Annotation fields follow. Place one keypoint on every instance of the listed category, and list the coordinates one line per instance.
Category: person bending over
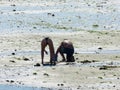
(66, 47)
(47, 41)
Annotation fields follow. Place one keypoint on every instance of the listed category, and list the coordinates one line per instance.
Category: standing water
(10, 87)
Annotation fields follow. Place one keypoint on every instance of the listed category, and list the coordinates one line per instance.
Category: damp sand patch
(36, 52)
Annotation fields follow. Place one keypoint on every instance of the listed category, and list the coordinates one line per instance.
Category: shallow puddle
(11, 87)
(99, 51)
(8, 53)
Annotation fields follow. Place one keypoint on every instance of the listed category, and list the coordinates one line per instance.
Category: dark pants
(69, 52)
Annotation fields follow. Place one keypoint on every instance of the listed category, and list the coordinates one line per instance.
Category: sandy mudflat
(20, 52)
(92, 25)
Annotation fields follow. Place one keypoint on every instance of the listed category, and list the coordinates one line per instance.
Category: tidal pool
(11, 87)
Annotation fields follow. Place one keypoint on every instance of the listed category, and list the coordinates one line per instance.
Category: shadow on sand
(48, 64)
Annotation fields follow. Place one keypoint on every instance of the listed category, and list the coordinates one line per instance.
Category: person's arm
(58, 50)
(46, 52)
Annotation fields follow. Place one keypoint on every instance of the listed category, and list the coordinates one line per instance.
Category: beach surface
(93, 27)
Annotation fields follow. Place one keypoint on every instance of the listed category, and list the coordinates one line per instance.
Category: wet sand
(93, 27)
(94, 71)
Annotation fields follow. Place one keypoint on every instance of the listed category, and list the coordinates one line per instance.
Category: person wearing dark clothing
(66, 47)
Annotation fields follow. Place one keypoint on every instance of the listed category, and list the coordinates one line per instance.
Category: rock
(45, 74)
(34, 73)
(62, 84)
(14, 10)
(58, 84)
(13, 53)
(13, 5)
(12, 61)
(26, 59)
(7, 80)
(12, 81)
(53, 15)
(100, 48)
(37, 65)
(107, 67)
(86, 61)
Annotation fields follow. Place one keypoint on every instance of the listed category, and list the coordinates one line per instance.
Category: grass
(100, 77)
(105, 67)
(95, 26)
(99, 32)
(35, 73)
(54, 26)
(49, 25)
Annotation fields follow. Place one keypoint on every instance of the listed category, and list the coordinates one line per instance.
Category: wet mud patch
(102, 65)
(108, 67)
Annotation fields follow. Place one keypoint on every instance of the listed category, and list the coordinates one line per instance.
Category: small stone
(58, 84)
(85, 61)
(14, 10)
(100, 48)
(13, 5)
(12, 61)
(7, 80)
(34, 73)
(26, 59)
(62, 84)
(46, 74)
(12, 81)
(13, 53)
(53, 15)
(37, 64)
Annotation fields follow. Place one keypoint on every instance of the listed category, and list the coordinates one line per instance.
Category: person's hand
(46, 52)
(55, 57)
